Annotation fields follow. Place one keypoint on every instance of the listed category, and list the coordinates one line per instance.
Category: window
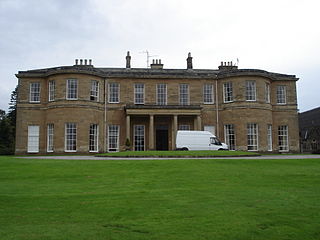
(72, 89)
(283, 138)
(269, 137)
(35, 92)
(184, 127)
(211, 129)
(50, 128)
(94, 91)
(230, 137)
(114, 90)
(250, 90)
(52, 89)
(70, 137)
(184, 94)
(161, 94)
(113, 138)
(33, 139)
(227, 92)
(267, 93)
(139, 137)
(93, 137)
(208, 94)
(139, 93)
(252, 135)
(281, 95)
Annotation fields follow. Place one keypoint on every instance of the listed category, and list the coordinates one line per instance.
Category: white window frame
(50, 137)
(185, 127)
(227, 92)
(230, 136)
(184, 94)
(281, 94)
(252, 137)
(267, 92)
(208, 94)
(283, 138)
(269, 137)
(51, 90)
(113, 134)
(139, 137)
(94, 91)
(139, 93)
(94, 137)
(35, 89)
(72, 89)
(161, 93)
(114, 92)
(33, 138)
(251, 91)
(70, 137)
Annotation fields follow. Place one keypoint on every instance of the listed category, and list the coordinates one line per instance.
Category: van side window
(212, 141)
(215, 141)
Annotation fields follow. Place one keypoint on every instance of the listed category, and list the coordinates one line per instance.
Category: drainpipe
(105, 116)
(217, 109)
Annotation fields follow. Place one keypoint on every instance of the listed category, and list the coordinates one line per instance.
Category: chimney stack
(189, 61)
(128, 60)
(156, 64)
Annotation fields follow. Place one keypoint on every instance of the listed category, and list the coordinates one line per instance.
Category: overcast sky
(276, 35)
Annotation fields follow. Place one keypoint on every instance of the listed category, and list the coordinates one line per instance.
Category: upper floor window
(208, 93)
(161, 94)
(267, 92)
(281, 95)
(35, 92)
(51, 90)
(250, 90)
(94, 91)
(184, 94)
(227, 92)
(114, 93)
(72, 89)
(139, 93)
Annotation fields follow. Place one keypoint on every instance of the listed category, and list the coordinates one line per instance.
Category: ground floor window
(93, 137)
(139, 137)
(209, 128)
(184, 127)
(252, 136)
(230, 137)
(50, 129)
(71, 137)
(33, 139)
(283, 138)
(113, 138)
(269, 137)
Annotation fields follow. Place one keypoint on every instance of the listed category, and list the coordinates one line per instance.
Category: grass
(169, 199)
(177, 154)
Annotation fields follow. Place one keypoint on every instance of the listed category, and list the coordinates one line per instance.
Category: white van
(198, 140)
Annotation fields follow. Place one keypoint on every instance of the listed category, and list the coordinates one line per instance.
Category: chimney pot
(76, 61)
(85, 62)
(81, 61)
(90, 61)
(128, 60)
(189, 61)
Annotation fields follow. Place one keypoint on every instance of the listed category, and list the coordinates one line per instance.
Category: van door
(215, 144)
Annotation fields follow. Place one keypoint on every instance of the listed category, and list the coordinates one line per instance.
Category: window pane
(267, 92)
(208, 93)
(184, 94)
(72, 89)
(283, 138)
(250, 90)
(281, 95)
(184, 127)
(50, 129)
(252, 135)
(94, 91)
(269, 137)
(162, 94)
(139, 137)
(227, 92)
(70, 137)
(139, 93)
(34, 92)
(52, 88)
(113, 138)
(114, 89)
(93, 138)
(230, 137)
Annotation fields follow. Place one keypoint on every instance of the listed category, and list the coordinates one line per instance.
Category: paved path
(284, 156)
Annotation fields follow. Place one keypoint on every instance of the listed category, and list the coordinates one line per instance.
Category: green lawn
(178, 154)
(168, 199)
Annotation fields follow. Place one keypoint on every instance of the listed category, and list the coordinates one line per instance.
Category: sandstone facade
(248, 109)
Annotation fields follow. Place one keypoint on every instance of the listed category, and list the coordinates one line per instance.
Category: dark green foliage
(8, 126)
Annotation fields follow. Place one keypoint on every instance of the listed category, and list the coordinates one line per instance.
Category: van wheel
(220, 149)
(184, 149)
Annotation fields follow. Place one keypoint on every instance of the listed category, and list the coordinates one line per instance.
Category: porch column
(174, 132)
(199, 122)
(151, 133)
(128, 127)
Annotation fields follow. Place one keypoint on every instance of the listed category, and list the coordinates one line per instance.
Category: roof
(153, 73)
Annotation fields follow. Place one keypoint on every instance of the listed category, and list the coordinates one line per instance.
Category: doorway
(162, 142)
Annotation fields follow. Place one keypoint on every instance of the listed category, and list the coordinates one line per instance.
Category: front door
(162, 137)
